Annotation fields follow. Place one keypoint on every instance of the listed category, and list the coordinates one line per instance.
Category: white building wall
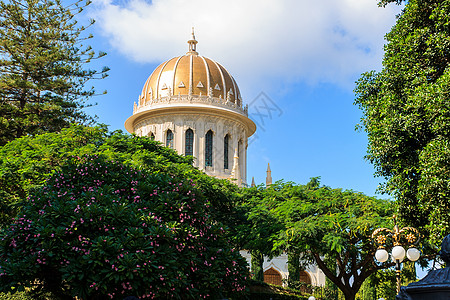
(280, 264)
(200, 124)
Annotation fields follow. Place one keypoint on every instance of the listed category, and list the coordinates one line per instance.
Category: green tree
(406, 115)
(257, 261)
(331, 290)
(43, 55)
(100, 229)
(258, 229)
(27, 162)
(293, 267)
(368, 289)
(385, 281)
(333, 228)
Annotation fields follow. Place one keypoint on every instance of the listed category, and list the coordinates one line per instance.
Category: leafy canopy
(406, 115)
(27, 162)
(100, 229)
(329, 227)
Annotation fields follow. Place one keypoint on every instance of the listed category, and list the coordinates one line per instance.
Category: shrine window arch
(189, 142)
(272, 276)
(169, 138)
(209, 147)
(226, 151)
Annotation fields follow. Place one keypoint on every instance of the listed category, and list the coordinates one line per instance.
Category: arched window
(240, 154)
(169, 138)
(189, 143)
(209, 149)
(239, 148)
(152, 136)
(225, 151)
(272, 276)
(304, 277)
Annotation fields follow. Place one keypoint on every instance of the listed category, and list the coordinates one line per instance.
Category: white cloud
(313, 41)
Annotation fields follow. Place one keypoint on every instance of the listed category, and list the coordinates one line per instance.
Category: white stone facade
(200, 124)
(279, 263)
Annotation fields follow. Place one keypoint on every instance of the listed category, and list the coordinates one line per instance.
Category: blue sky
(299, 59)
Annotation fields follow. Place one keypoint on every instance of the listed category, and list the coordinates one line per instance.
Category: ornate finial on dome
(192, 44)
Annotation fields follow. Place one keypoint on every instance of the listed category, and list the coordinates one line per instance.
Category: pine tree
(42, 60)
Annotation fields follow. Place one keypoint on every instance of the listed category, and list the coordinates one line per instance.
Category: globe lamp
(398, 252)
(413, 254)
(381, 255)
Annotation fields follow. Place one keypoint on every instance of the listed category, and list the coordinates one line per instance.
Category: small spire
(253, 182)
(235, 172)
(269, 176)
(192, 44)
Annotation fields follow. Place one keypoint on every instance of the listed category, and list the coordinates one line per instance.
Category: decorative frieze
(213, 101)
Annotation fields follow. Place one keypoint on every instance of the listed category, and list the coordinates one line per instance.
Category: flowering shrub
(103, 230)
(27, 162)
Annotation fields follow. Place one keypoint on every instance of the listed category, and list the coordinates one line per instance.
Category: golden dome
(190, 84)
(190, 74)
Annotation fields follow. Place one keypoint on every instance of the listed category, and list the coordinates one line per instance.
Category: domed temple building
(192, 104)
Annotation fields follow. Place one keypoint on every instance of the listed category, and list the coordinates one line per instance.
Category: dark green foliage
(319, 222)
(27, 162)
(368, 289)
(261, 290)
(385, 2)
(259, 228)
(319, 292)
(330, 290)
(293, 267)
(337, 224)
(43, 54)
(257, 261)
(386, 284)
(406, 114)
(101, 229)
(383, 283)
(16, 296)
(269, 296)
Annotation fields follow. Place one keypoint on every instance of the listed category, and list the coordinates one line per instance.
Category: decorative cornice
(213, 101)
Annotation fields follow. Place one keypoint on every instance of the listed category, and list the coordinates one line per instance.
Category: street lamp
(397, 235)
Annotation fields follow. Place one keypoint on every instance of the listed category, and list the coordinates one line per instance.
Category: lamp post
(397, 237)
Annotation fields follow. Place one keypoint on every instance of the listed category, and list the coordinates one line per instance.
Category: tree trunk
(349, 295)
